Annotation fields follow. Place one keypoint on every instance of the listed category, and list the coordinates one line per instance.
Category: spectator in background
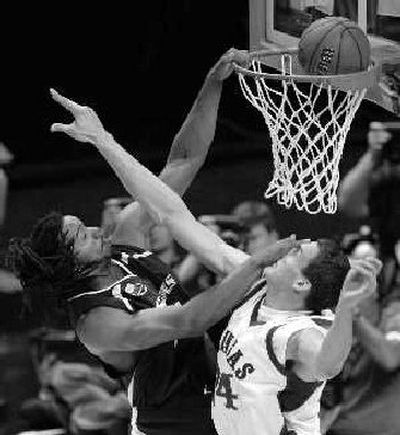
(251, 209)
(369, 385)
(261, 232)
(372, 190)
(259, 221)
(76, 397)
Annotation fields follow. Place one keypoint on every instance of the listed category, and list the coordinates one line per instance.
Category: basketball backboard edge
(265, 33)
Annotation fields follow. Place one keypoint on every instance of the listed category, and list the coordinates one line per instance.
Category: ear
(302, 285)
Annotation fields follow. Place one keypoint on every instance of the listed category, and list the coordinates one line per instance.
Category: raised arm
(189, 148)
(163, 205)
(320, 356)
(354, 190)
(109, 329)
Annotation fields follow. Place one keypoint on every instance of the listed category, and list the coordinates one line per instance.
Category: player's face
(259, 237)
(159, 238)
(289, 269)
(89, 243)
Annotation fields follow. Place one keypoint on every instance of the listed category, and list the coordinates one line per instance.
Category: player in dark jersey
(127, 307)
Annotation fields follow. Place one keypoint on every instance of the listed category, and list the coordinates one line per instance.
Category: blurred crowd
(76, 396)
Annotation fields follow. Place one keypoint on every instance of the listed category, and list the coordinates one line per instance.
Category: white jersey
(256, 392)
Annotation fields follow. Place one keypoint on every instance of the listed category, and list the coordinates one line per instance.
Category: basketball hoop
(308, 118)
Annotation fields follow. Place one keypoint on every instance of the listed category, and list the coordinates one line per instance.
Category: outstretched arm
(109, 329)
(163, 205)
(189, 148)
(318, 356)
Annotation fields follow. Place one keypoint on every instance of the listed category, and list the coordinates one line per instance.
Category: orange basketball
(334, 45)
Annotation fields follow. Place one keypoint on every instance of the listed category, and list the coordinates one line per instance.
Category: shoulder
(305, 341)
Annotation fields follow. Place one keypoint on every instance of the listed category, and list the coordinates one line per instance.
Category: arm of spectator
(354, 189)
(383, 345)
(163, 205)
(189, 148)
(319, 356)
(109, 329)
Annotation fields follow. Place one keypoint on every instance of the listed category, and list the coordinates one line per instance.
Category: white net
(308, 125)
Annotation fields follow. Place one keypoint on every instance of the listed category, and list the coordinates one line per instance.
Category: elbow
(193, 324)
(324, 373)
(332, 372)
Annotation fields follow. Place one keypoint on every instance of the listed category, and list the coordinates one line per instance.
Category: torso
(171, 374)
(256, 390)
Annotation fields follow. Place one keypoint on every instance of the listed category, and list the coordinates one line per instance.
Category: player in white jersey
(275, 354)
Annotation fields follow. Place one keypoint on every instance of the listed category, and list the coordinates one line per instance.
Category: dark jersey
(170, 377)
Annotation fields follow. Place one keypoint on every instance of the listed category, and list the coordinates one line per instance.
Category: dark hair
(250, 209)
(46, 265)
(326, 273)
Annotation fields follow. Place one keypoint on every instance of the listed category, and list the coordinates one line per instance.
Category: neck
(280, 299)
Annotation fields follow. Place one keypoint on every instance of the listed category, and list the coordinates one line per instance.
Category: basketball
(334, 45)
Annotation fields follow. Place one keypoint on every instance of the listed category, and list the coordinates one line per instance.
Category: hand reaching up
(224, 67)
(360, 282)
(86, 127)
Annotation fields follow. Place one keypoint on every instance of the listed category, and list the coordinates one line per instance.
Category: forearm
(165, 206)
(375, 343)
(187, 155)
(139, 182)
(190, 146)
(354, 189)
(205, 309)
(336, 345)
(198, 130)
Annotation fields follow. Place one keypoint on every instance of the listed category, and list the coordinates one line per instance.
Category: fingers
(303, 241)
(363, 278)
(241, 57)
(61, 128)
(70, 105)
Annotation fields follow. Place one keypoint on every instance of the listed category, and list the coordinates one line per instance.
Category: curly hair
(46, 265)
(326, 273)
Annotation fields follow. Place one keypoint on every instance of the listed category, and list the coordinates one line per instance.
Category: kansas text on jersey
(256, 392)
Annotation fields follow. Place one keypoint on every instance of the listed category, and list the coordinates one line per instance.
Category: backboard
(279, 24)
